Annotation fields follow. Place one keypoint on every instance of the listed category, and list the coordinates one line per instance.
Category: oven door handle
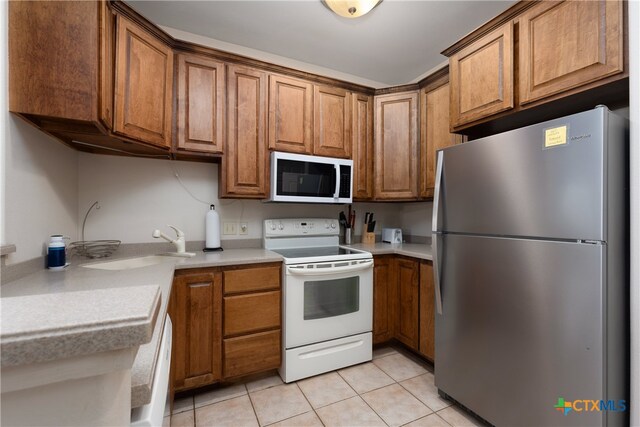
(303, 271)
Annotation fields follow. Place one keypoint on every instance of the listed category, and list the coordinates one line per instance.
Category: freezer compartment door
(521, 326)
(519, 184)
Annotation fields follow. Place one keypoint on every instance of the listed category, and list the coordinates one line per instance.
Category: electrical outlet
(230, 228)
(244, 228)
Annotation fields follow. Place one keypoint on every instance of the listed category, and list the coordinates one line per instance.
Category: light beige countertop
(414, 250)
(99, 302)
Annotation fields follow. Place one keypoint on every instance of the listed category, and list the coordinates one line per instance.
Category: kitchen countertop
(119, 307)
(414, 250)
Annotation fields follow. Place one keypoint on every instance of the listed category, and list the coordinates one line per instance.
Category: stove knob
(326, 225)
(333, 225)
(280, 227)
(273, 226)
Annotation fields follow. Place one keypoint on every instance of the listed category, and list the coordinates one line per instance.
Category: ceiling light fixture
(351, 8)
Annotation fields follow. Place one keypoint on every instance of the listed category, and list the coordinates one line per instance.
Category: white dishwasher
(153, 413)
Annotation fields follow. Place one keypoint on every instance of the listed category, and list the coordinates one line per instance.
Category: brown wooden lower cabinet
(408, 303)
(247, 300)
(251, 353)
(383, 298)
(196, 311)
(248, 313)
(403, 303)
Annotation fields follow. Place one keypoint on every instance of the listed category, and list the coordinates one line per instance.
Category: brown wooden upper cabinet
(61, 64)
(143, 84)
(566, 44)
(290, 115)
(201, 104)
(396, 146)
(362, 146)
(244, 172)
(481, 77)
(332, 122)
(564, 48)
(435, 135)
(196, 311)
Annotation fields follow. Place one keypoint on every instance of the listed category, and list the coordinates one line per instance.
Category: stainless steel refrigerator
(530, 265)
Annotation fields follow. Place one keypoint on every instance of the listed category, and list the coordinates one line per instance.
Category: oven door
(327, 300)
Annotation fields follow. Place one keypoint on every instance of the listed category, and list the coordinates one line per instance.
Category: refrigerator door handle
(436, 193)
(436, 272)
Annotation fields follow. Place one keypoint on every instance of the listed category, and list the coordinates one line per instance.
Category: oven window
(330, 298)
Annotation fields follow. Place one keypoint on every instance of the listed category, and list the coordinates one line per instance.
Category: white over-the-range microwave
(310, 179)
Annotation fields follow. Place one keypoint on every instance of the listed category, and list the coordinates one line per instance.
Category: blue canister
(56, 258)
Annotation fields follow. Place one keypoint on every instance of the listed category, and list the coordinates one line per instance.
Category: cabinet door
(383, 299)
(144, 85)
(481, 77)
(332, 122)
(396, 147)
(107, 27)
(362, 146)
(244, 170)
(290, 115)
(566, 44)
(434, 127)
(408, 290)
(200, 104)
(427, 311)
(196, 312)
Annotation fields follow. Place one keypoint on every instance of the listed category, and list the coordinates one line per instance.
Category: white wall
(39, 180)
(138, 195)
(634, 115)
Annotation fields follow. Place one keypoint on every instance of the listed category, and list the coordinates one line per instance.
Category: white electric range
(327, 297)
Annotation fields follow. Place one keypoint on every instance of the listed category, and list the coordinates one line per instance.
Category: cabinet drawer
(251, 279)
(252, 312)
(251, 353)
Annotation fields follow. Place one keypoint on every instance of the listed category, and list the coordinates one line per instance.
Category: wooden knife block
(369, 238)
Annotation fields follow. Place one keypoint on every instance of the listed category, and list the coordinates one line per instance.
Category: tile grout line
(360, 396)
(312, 408)
(255, 413)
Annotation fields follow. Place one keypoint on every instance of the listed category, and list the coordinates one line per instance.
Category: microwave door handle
(336, 191)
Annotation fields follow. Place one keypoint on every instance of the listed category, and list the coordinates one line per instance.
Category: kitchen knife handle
(436, 271)
(436, 193)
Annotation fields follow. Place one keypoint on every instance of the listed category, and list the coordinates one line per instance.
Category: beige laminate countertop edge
(78, 283)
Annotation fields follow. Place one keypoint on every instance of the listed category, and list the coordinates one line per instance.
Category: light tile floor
(394, 389)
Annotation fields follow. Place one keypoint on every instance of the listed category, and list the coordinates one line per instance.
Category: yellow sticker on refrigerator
(555, 136)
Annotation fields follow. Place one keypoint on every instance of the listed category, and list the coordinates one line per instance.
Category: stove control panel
(301, 227)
